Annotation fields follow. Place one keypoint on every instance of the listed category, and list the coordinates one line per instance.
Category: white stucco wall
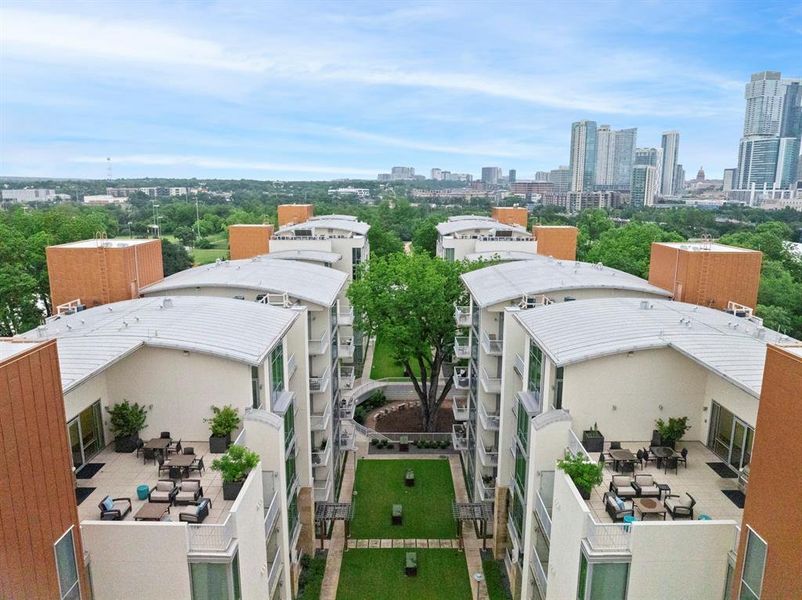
(140, 560)
(85, 395)
(732, 398)
(569, 514)
(248, 511)
(683, 559)
(227, 292)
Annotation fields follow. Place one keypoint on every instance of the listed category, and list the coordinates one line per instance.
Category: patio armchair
(615, 445)
(618, 508)
(672, 462)
(165, 435)
(648, 457)
(646, 486)
(165, 490)
(114, 509)
(195, 512)
(680, 508)
(148, 454)
(174, 448)
(197, 465)
(140, 444)
(683, 457)
(164, 465)
(605, 459)
(189, 490)
(621, 486)
(189, 450)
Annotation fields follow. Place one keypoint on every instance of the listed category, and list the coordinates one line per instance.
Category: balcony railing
(488, 456)
(320, 384)
(575, 447)
(462, 316)
(323, 489)
(320, 345)
(274, 572)
(345, 316)
(492, 345)
(320, 420)
(518, 366)
(541, 579)
(461, 378)
(276, 299)
(292, 366)
(346, 440)
(272, 510)
(211, 538)
(492, 385)
(489, 421)
(347, 377)
(347, 407)
(321, 458)
(460, 408)
(346, 347)
(459, 438)
(487, 490)
(606, 537)
(462, 348)
(543, 515)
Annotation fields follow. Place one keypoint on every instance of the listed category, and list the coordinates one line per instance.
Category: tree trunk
(427, 383)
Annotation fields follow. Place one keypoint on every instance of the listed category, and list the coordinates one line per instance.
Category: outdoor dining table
(157, 443)
(180, 462)
(662, 452)
(622, 456)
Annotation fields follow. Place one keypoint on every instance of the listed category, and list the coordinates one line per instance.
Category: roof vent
(644, 304)
(167, 303)
(40, 331)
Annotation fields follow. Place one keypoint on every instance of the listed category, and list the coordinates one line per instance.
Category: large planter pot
(584, 493)
(231, 489)
(126, 444)
(669, 443)
(592, 440)
(219, 445)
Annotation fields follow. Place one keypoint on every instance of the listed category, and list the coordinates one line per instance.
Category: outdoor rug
(723, 470)
(88, 470)
(736, 496)
(82, 493)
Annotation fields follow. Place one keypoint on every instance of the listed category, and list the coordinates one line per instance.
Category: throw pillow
(619, 503)
(108, 503)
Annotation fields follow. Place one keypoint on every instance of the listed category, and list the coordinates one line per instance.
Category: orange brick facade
(37, 495)
(772, 507)
(706, 277)
(247, 241)
(558, 242)
(102, 272)
(289, 214)
(511, 215)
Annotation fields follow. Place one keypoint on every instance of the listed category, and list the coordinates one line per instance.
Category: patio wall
(249, 514)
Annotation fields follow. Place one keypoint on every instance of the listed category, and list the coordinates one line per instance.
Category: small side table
(142, 492)
(665, 490)
(628, 520)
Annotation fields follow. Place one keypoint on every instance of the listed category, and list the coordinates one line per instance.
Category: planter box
(126, 444)
(219, 445)
(584, 493)
(231, 489)
(592, 440)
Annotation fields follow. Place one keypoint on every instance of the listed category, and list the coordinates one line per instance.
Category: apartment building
(42, 555)
(480, 345)
(320, 290)
(179, 356)
(617, 365)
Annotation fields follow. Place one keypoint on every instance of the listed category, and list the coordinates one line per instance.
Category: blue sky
(306, 90)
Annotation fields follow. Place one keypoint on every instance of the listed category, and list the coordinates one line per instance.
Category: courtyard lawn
(383, 363)
(378, 574)
(208, 255)
(427, 511)
(495, 580)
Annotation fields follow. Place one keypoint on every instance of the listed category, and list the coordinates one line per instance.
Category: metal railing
(275, 570)
(543, 515)
(462, 316)
(320, 345)
(323, 489)
(346, 317)
(459, 438)
(575, 447)
(211, 538)
(518, 366)
(346, 441)
(320, 383)
(461, 378)
(541, 579)
(489, 422)
(347, 377)
(462, 348)
(606, 537)
(272, 510)
(492, 385)
(459, 406)
(321, 458)
(487, 490)
(319, 421)
(345, 347)
(292, 366)
(274, 299)
(488, 456)
(492, 346)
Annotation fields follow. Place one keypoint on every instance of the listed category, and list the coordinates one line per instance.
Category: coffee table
(152, 511)
(665, 490)
(649, 506)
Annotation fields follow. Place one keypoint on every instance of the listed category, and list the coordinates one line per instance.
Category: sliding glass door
(86, 434)
(730, 437)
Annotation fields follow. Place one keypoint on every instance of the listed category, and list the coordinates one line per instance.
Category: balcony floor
(699, 480)
(122, 473)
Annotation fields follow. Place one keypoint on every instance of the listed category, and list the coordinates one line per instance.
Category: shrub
(374, 442)
(224, 422)
(444, 444)
(673, 430)
(203, 243)
(127, 419)
(585, 475)
(236, 463)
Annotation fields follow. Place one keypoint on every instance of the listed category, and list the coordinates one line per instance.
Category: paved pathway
(402, 543)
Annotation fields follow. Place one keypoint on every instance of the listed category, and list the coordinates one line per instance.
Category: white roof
(308, 255)
(470, 222)
(501, 255)
(543, 275)
(90, 341)
(573, 332)
(301, 280)
(336, 222)
(104, 243)
(9, 349)
(704, 247)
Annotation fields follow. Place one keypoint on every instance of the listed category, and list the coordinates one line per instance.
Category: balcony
(321, 456)
(462, 316)
(461, 378)
(518, 366)
(292, 366)
(347, 377)
(272, 505)
(492, 385)
(346, 441)
(575, 447)
(490, 422)
(320, 420)
(539, 572)
(606, 537)
(543, 515)
(319, 384)
(459, 438)
(345, 347)
(347, 406)
(320, 345)
(274, 570)
(487, 490)
(323, 489)
(492, 344)
(460, 408)
(462, 347)
(345, 316)
(488, 455)
(212, 538)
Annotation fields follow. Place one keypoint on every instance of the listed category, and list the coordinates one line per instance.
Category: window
(66, 567)
(292, 516)
(289, 425)
(602, 580)
(754, 566)
(520, 469)
(522, 428)
(215, 580)
(256, 385)
(448, 254)
(356, 260)
(558, 388)
(277, 370)
(290, 471)
(535, 368)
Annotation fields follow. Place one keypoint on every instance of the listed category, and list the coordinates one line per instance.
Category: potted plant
(672, 431)
(127, 420)
(234, 467)
(585, 475)
(592, 439)
(222, 424)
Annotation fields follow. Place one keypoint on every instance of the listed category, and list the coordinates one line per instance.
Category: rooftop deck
(122, 473)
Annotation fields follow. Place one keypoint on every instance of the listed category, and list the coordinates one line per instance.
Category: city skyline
(172, 91)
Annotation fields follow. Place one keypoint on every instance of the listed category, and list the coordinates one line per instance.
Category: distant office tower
(643, 187)
(583, 156)
(653, 157)
(437, 174)
(542, 176)
(772, 130)
(402, 173)
(730, 179)
(491, 175)
(512, 175)
(605, 153)
(561, 178)
(624, 159)
(615, 155)
(670, 147)
(679, 179)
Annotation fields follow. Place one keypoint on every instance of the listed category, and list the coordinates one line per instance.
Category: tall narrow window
(215, 580)
(558, 388)
(67, 567)
(535, 368)
(277, 370)
(753, 568)
(256, 385)
(356, 260)
(448, 254)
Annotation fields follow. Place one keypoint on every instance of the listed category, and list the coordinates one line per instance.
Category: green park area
(383, 363)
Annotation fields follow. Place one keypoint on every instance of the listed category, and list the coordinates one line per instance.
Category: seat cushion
(644, 480)
(190, 486)
(159, 496)
(165, 486)
(649, 490)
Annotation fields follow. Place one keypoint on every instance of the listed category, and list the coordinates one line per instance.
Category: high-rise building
(615, 155)
(670, 146)
(772, 130)
(730, 179)
(605, 154)
(653, 157)
(679, 179)
(624, 157)
(397, 173)
(561, 178)
(583, 156)
(491, 175)
(542, 176)
(512, 175)
(643, 187)
(437, 174)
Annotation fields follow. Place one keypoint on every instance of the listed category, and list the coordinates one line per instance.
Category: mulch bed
(408, 420)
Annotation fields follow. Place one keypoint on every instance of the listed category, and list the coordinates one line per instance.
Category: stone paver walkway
(402, 543)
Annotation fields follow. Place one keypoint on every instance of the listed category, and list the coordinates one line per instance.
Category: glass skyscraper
(583, 156)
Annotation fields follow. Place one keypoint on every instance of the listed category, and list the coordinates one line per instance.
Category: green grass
(312, 578)
(426, 507)
(204, 257)
(378, 574)
(494, 580)
(383, 363)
